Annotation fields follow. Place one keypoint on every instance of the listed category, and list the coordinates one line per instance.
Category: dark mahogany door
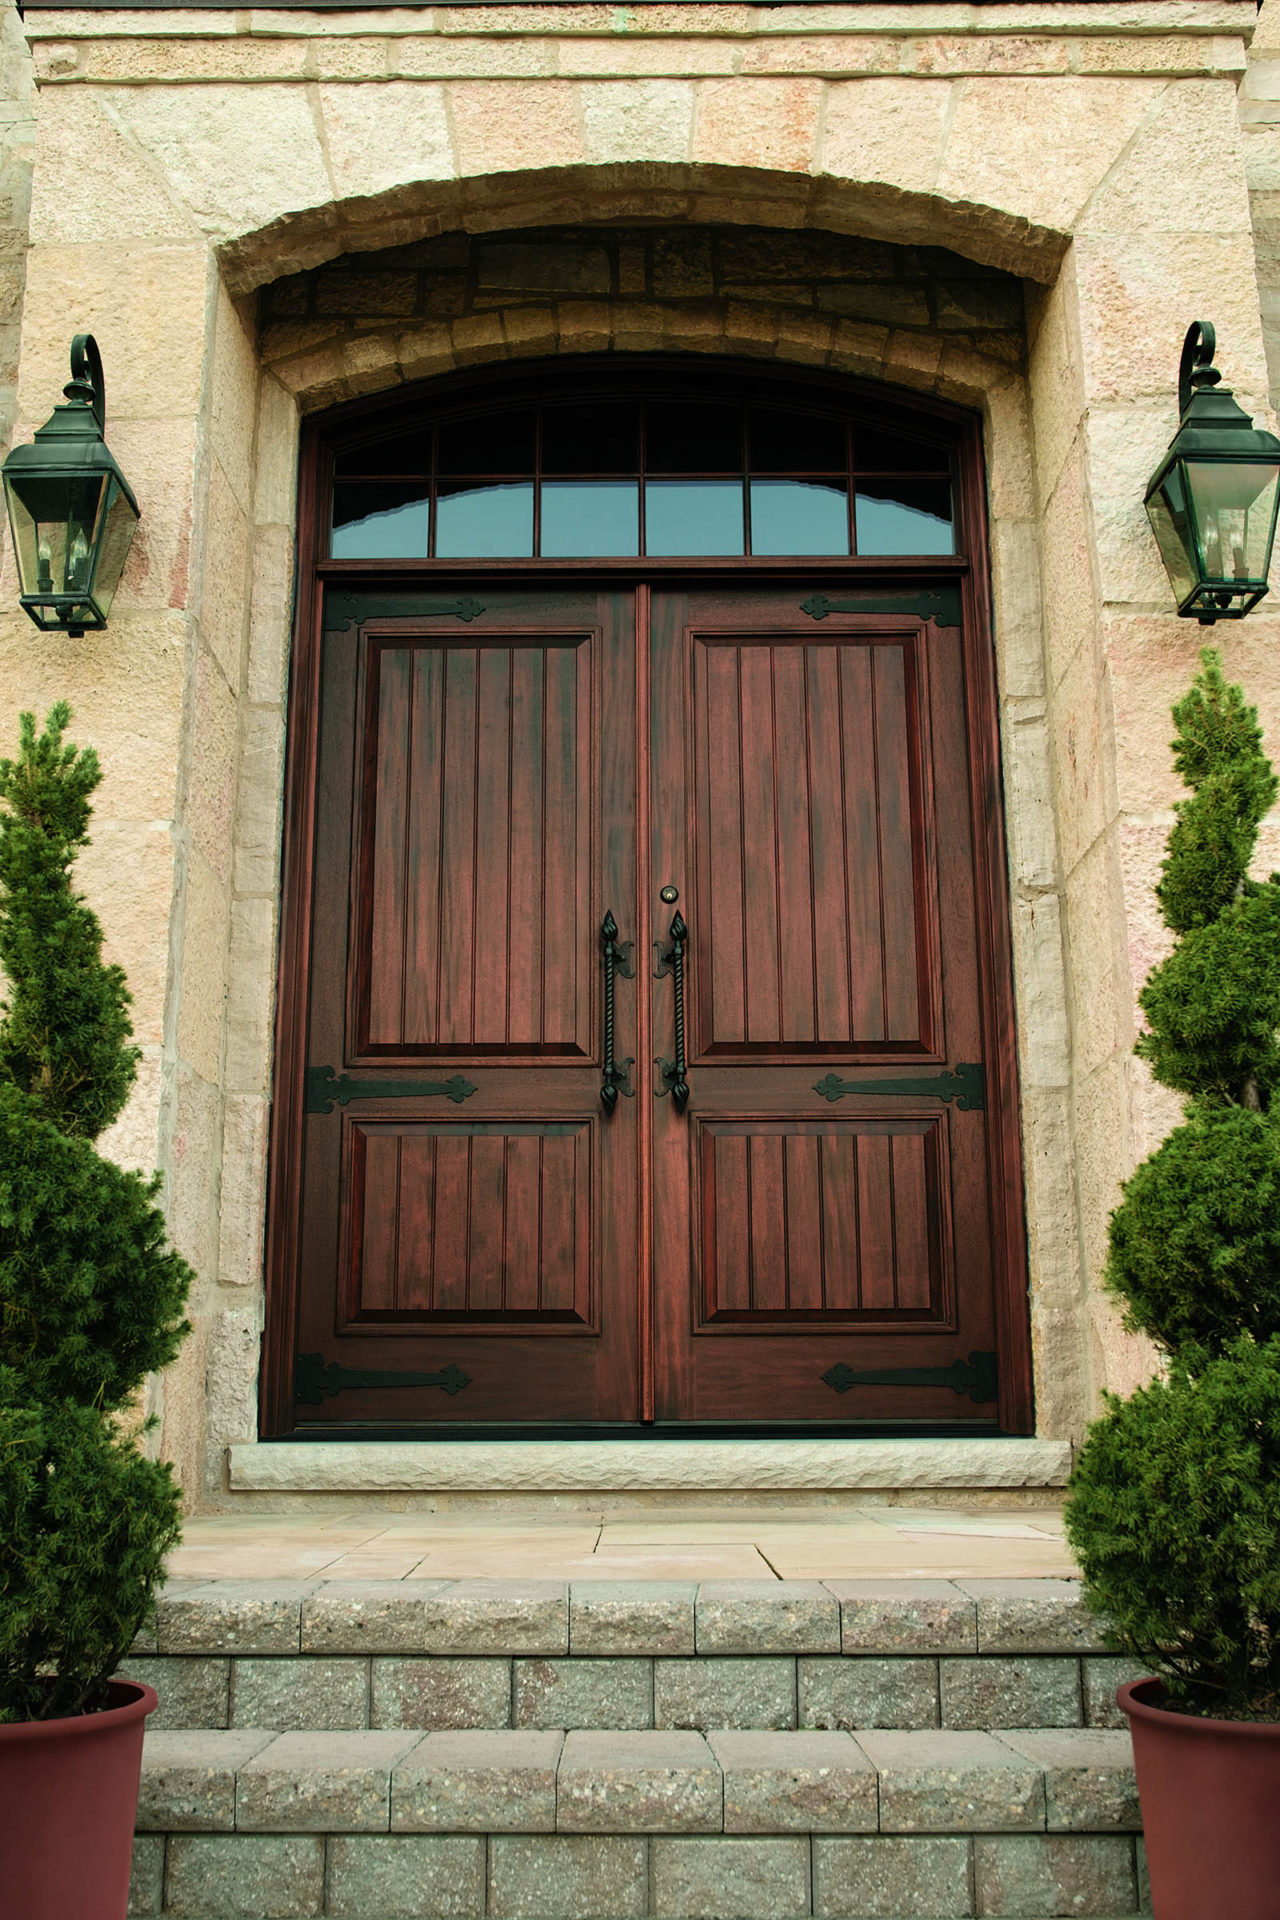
(825, 1209)
(468, 1216)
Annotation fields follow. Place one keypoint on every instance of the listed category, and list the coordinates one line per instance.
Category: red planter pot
(1210, 1793)
(68, 1800)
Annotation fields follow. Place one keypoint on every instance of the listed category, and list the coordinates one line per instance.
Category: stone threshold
(605, 1466)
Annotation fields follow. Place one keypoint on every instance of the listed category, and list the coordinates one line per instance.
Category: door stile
(644, 1005)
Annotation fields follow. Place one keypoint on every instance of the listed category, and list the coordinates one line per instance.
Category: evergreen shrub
(91, 1295)
(1174, 1503)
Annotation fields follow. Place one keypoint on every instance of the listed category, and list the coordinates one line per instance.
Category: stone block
(192, 1692)
(481, 1781)
(725, 1692)
(498, 1616)
(369, 1616)
(631, 1616)
(440, 1693)
(232, 1616)
(405, 1877)
(865, 1692)
(638, 1783)
(575, 1876)
(1008, 1691)
(905, 1616)
(188, 1782)
(954, 1783)
(252, 1876)
(320, 1783)
(582, 1693)
(1100, 1675)
(797, 1782)
(304, 1696)
(1089, 1783)
(1033, 1616)
(767, 1616)
(890, 1877)
(146, 1880)
(730, 1879)
(1053, 1873)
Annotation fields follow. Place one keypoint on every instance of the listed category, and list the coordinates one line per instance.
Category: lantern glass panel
(1234, 505)
(1171, 524)
(54, 520)
(115, 538)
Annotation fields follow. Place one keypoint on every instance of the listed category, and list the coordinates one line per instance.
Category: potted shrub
(91, 1301)
(1174, 1504)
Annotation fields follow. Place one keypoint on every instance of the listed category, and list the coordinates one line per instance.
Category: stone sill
(580, 1466)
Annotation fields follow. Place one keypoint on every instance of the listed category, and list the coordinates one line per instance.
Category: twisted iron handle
(614, 1079)
(675, 1072)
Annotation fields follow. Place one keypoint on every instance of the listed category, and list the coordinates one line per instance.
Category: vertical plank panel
(422, 945)
(875, 1220)
(390, 806)
(733, 1253)
(840, 1253)
(524, 911)
(760, 853)
(831, 876)
(523, 1249)
(488, 1197)
(902, 990)
(452, 1221)
(768, 1225)
(413, 1232)
(911, 1220)
(458, 928)
(791, 785)
(560, 1201)
(726, 934)
(493, 839)
(862, 841)
(562, 935)
(381, 1180)
(804, 1221)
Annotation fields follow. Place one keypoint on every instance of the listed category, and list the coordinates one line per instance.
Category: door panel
(469, 1211)
(823, 1202)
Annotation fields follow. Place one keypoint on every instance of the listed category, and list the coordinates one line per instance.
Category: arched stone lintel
(639, 194)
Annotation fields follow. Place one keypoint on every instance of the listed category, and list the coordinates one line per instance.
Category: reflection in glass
(487, 443)
(405, 453)
(693, 516)
(380, 523)
(784, 442)
(904, 516)
(799, 516)
(895, 453)
(485, 522)
(592, 439)
(582, 517)
(691, 437)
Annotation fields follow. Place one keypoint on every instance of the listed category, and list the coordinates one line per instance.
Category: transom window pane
(615, 476)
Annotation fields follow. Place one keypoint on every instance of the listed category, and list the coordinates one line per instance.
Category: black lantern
(1212, 501)
(71, 511)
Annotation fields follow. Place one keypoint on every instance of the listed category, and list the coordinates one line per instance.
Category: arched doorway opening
(645, 1036)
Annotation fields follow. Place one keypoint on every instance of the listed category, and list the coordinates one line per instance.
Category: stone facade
(1017, 207)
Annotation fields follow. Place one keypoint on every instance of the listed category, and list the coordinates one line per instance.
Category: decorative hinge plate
(315, 1379)
(975, 1376)
(324, 1086)
(345, 609)
(939, 604)
(966, 1084)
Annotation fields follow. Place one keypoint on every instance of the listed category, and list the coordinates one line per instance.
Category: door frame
(968, 572)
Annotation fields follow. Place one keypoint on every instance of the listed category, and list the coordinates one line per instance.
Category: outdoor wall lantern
(1212, 501)
(72, 513)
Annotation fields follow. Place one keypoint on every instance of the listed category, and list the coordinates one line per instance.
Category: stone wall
(17, 134)
(187, 160)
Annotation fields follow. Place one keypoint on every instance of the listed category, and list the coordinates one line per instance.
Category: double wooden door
(652, 1063)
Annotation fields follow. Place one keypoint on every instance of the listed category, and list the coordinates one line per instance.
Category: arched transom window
(669, 472)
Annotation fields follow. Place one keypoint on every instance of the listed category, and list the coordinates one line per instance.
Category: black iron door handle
(675, 1072)
(616, 957)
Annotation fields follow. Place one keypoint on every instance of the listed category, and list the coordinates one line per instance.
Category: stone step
(611, 1656)
(548, 1825)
